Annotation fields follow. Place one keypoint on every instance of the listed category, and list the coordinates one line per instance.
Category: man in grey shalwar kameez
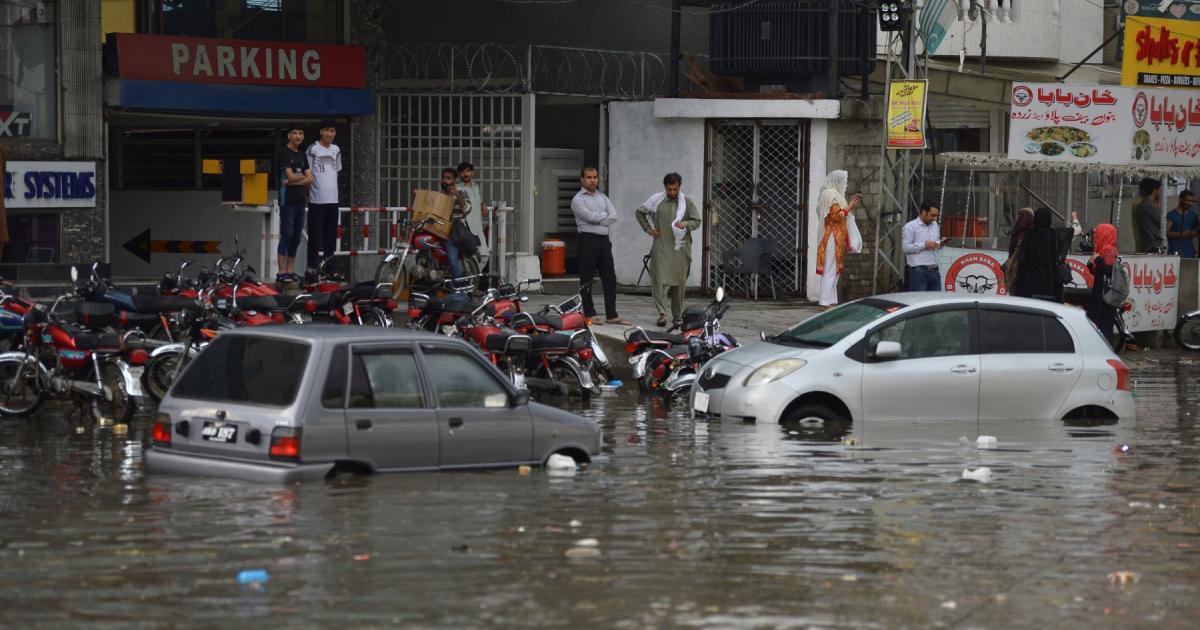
(669, 218)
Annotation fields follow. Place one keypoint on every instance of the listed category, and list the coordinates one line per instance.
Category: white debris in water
(950, 605)
(587, 542)
(583, 552)
(560, 465)
(983, 474)
(985, 441)
(576, 523)
(963, 441)
(1139, 504)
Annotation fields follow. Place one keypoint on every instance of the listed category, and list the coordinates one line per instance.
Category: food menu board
(1104, 124)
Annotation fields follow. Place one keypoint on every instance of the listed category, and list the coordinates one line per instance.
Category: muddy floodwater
(691, 523)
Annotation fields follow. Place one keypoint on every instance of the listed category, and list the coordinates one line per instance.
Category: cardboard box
(432, 203)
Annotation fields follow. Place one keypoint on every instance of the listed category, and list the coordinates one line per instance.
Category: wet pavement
(707, 524)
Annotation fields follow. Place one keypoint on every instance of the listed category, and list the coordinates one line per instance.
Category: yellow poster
(906, 114)
(1161, 53)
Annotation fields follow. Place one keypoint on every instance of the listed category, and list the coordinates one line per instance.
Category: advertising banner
(1103, 124)
(50, 185)
(1161, 53)
(1153, 282)
(906, 114)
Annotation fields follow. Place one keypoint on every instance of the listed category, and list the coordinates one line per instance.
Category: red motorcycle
(419, 258)
(60, 359)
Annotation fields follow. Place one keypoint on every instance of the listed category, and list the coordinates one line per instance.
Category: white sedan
(923, 356)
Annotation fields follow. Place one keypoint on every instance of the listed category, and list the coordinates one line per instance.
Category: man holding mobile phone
(922, 237)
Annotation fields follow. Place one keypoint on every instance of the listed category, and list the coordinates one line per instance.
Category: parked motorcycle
(1187, 331)
(198, 326)
(419, 258)
(60, 359)
(669, 364)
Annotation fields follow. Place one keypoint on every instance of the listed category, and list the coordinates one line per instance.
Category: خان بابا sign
(50, 185)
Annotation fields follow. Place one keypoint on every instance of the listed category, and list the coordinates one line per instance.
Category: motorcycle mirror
(524, 298)
(720, 294)
(74, 273)
(762, 335)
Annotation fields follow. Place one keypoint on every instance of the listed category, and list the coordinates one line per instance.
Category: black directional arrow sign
(142, 246)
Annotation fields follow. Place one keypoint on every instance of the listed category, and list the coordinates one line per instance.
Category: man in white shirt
(325, 160)
(477, 213)
(923, 237)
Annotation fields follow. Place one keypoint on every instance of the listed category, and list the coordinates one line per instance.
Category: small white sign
(50, 185)
(700, 402)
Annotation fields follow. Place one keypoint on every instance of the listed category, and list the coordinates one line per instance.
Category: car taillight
(414, 313)
(138, 357)
(1122, 373)
(631, 347)
(586, 354)
(285, 443)
(161, 433)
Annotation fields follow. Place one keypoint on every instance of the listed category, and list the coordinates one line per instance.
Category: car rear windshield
(254, 370)
(832, 326)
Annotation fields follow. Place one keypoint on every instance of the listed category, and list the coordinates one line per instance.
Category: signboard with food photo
(1104, 124)
(1161, 53)
(906, 114)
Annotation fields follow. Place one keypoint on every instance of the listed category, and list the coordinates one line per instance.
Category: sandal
(662, 321)
(618, 320)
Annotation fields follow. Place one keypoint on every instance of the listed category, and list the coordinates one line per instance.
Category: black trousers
(322, 232)
(595, 254)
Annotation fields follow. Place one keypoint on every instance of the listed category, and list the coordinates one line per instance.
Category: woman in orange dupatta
(833, 209)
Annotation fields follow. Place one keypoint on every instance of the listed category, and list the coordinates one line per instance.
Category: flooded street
(695, 523)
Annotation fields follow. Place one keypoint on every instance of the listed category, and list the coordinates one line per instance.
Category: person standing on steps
(325, 159)
(594, 213)
(294, 178)
(669, 218)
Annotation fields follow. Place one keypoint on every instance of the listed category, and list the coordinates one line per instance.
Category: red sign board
(238, 61)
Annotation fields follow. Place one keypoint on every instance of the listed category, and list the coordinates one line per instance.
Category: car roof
(334, 333)
(933, 298)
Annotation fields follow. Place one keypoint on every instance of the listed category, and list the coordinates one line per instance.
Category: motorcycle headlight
(774, 371)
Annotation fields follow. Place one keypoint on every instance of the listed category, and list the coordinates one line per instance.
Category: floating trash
(560, 465)
(983, 474)
(1122, 578)
(252, 576)
(524, 470)
(985, 441)
(576, 523)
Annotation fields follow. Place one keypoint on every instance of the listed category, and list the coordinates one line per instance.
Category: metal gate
(757, 187)
(420, 134)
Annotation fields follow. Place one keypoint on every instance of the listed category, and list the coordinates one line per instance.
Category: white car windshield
(830, 327)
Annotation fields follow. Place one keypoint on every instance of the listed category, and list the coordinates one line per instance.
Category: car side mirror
(887, 350)
(520, 399)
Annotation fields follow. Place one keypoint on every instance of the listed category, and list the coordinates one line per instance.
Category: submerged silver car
(289, 403)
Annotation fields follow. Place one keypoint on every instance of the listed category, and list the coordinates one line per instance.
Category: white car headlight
(774, 371)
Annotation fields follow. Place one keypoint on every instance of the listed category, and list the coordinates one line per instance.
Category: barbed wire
(505, 69)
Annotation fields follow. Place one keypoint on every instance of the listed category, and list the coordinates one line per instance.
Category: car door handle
(455, 423)
(963, 369)
(362, 425)
(1061, 367)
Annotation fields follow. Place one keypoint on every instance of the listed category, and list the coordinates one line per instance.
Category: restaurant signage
(1161, 53)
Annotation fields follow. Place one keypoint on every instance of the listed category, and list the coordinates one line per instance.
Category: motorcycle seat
(677, 350)
(551, 342)
(527, 319)
(161, 303)
(94, 341)
(367, 291)
(138, 320)
(261, 303)
(662, 338)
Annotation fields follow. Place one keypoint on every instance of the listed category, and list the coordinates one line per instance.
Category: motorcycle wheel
(1117, 336)
(120, 407)
(573, 382)
(1187, 334)
(24, 398)
(376, 317)
(600, 374)
(159, 373)
(392, 272)
(470, 266)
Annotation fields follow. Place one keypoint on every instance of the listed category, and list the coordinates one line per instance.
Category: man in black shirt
(294, 177)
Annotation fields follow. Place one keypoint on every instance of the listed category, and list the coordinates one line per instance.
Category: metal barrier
(365, 230)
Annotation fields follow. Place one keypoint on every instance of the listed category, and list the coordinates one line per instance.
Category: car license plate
(219, 432)
(700, 402)
(348, 309)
